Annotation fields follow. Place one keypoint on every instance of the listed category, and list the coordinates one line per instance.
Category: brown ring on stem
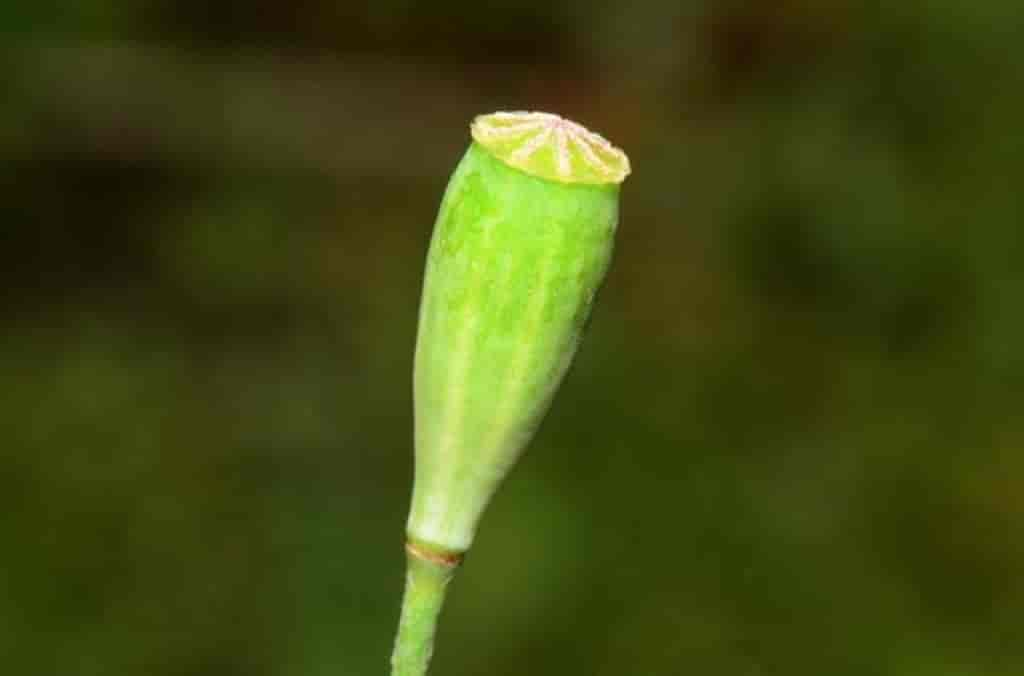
(448, 559)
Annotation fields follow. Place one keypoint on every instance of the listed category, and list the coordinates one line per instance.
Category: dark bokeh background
(791, 444)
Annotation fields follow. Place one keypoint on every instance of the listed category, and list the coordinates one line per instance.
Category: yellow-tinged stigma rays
(551, 147)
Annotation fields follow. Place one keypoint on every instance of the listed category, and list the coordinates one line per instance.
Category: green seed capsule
(522, 242)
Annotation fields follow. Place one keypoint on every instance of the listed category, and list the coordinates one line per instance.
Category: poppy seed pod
(521, 244)
(520, 247)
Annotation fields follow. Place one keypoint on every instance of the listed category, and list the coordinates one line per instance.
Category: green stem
(425, 583)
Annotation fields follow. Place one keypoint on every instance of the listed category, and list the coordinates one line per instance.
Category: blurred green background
(791, 443)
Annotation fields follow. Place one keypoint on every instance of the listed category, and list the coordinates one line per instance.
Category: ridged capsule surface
(520, 247)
